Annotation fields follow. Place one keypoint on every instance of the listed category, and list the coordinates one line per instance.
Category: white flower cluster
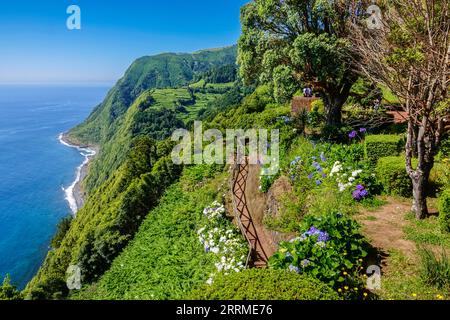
(221, 239)
(344, 180)
(216, 210)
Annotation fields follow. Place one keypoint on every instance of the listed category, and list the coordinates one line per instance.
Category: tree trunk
(419, 207)
(334, 99)
(333, 109)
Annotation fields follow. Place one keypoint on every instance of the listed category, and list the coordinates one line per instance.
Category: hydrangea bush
(330, 248)
(223, 241)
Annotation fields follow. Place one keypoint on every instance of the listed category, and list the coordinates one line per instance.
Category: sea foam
(87, 153)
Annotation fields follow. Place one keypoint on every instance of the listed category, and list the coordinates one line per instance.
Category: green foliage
(264, 284)
(378, 146)
(330, 248)
(62, 228)
(363, 93)
(8, 291)
(109, 219)
(336, 133)
(391, 173)
(266, 182)
(435, 270)
(444, 211)
(166, 259)
(444, 149)
(274, 48)
(284, 84)
(258, 100)
(53, 287)
(426, 231)
(221, 74)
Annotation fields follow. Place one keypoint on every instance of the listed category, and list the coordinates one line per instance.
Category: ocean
(36, 169)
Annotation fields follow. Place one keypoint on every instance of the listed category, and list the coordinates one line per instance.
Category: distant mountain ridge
(166, 70)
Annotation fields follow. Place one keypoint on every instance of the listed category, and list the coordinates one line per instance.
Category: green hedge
(444, 211)
(392, 175)
(379, 146)
(264, 284)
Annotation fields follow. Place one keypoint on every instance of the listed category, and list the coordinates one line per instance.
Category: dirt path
(384, 227)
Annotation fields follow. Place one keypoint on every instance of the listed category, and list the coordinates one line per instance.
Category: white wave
(87, 153)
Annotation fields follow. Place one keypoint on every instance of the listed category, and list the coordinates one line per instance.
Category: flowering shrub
(219, 238)
(360, 133)
(329, 248)
(360, 193)
(345, 176)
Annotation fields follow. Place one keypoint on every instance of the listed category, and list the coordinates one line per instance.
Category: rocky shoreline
(75, 194)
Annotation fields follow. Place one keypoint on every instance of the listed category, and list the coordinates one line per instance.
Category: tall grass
(435, 268)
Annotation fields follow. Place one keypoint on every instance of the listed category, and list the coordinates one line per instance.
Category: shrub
(378, 146)
(318, 106)
(392, 175)
(330, 248)
(8, 291)
(62, 228)
(433, 270)
(444, 211)
(264, 284)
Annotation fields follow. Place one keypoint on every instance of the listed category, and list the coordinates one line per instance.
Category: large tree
(292, 42)
(410, 55)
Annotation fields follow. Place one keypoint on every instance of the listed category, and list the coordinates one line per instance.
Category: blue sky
(37, 47)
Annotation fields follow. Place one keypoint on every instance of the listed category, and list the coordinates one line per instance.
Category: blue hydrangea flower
(294, 269)
(304, 263)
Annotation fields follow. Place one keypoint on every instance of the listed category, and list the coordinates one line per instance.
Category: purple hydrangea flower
(352, 134)
(312, 231)
(360, 193)
(323, 237)
(362, 130)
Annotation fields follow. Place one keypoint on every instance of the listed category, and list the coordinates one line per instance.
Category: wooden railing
(257, 256)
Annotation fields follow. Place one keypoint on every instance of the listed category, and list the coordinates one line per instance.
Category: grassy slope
(166, 259)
